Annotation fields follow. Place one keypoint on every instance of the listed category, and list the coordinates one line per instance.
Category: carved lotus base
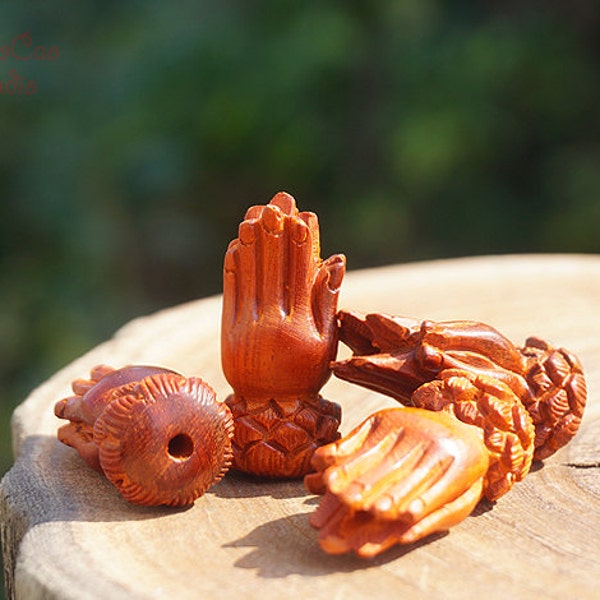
(278, 438)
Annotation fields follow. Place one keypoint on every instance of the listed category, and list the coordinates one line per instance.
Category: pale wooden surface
(68, 534)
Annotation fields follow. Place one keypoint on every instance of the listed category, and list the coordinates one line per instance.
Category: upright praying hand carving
(408, 472)
(278, 337)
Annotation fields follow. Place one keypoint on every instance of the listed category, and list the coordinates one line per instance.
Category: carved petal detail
(166, 442)
(559, 394)
(395, 355)
(278, 439)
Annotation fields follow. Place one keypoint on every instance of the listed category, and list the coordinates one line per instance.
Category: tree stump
(67, 533)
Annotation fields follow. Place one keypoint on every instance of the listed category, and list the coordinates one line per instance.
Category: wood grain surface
(66, 532)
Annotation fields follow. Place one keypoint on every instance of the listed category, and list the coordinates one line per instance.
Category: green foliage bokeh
(416, 129)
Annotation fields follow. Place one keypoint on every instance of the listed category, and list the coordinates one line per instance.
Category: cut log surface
(67, 533)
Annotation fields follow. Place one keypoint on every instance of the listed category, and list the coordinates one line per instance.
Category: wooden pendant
(159, 437)
(397, 478)
(278, 337)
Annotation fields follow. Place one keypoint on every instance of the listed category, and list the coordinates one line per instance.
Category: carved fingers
(383, 349)
(271, 267)
(375, 333)
(325, 294)
(399, 476)
(394, 355)
(74, 408)
(343, 530)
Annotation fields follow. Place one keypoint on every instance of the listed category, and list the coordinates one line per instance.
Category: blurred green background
(416, 129)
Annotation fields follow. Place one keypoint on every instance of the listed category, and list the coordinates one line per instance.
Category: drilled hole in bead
(181, 446)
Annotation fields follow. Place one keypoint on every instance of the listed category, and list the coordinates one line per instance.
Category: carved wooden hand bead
(519, 401)
(402, 474)
(278, 337)
(396, 355)
(159, 437)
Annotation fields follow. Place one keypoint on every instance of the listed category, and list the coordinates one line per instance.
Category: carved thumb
(326, 291)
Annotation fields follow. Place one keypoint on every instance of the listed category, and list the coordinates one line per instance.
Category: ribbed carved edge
(210, 425)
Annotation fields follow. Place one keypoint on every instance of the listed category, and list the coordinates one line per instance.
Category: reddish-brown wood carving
(522, 403)
(278, 337)
(159, 437)
(399, 476)
(396, 355)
